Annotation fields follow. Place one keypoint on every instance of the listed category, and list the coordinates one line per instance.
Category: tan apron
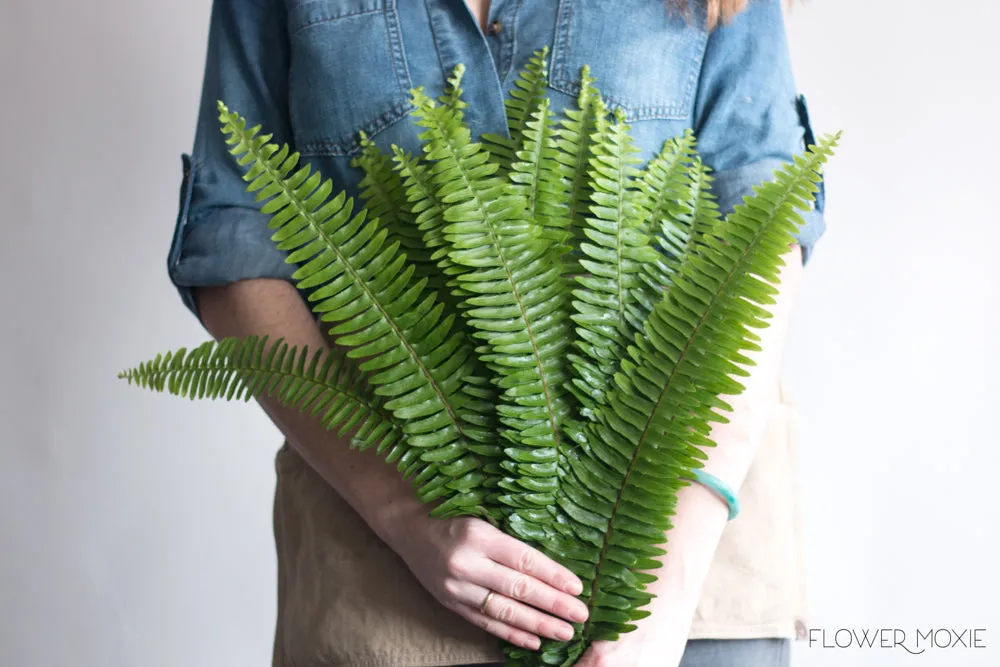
(346, 600)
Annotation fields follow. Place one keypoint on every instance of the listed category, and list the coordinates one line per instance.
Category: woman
(366, 578)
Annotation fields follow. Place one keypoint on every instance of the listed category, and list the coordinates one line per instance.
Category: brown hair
(719, 11)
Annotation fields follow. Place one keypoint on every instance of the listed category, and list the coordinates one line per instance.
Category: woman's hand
(621, 653)
(461, 560)
(635, 649)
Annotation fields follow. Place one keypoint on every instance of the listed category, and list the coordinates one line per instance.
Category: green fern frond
(320, 384)
(575, 139)
(678, 190)
(665, 184)
(616, 257)
(526, 97)
(385, 198)
(516, 304)
(538, 177)
(619, 487)
(699, 216)
(452, 96)
(424, 203)
(366, 287)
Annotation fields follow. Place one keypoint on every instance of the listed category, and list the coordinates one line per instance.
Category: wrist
(697, 527)
(723, 491)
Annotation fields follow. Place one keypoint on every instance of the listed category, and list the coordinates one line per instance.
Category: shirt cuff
(220, 245)
(732, 185)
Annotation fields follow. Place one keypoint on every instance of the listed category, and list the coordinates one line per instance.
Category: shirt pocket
(347, 73)
(645, 57)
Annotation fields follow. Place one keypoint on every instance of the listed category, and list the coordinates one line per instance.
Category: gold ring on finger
(486, 601)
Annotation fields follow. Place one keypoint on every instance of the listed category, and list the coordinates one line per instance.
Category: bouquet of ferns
(545, 327)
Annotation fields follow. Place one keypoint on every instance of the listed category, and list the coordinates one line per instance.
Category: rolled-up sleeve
(220, 236)
(749, 117)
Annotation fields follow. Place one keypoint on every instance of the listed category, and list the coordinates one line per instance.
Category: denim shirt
(317, 72)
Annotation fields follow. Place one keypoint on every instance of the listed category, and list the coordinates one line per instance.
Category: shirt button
(495, 27)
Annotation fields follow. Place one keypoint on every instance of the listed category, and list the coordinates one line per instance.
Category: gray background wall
(135, 530)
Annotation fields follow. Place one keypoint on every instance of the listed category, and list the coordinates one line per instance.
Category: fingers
(496, 627)
(518, 556)
(529, 590)
(532, 592)
(514, 613)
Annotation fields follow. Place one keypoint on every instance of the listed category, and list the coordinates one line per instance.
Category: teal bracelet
(720, 488)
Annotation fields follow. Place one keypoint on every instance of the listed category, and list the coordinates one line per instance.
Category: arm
(235, 280)
(457, 560)
(273, 307)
